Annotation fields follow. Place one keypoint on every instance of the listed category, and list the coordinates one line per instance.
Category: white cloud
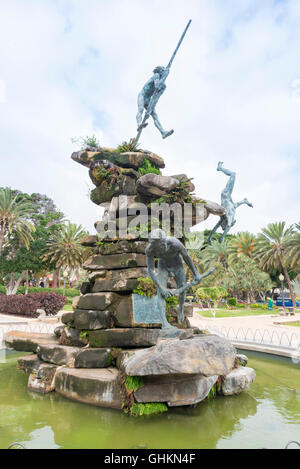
(75, 68)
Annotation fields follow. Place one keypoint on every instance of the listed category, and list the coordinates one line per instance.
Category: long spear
(156, 95)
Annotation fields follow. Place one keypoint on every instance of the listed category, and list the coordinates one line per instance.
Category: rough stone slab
(42, 380)
(97, 301)
(116, 280)
(75, 302)
(67, 318)
(123, 355)
(115, 261)
(58, 331)
(238, 380)
(214, 208)
(127, 160)
(71, 337)
(126, 185)
(85, 288)
(205, 355)
(93, 358)
(242, 359)
(184, 178)
(188, 310)
(89, 240)
(130, 338)
(200, 213)
(122, 284)
(92, 320)
(58, 354)
(28, 341)
(175, 390)
(123, 246)
(156, 185)
(97, 387)
(29, 363)
(113, 235)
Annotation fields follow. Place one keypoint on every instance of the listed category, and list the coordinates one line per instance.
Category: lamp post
(281, 278)
(65, 274)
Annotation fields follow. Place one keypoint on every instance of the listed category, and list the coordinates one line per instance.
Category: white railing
(258, 336)
(41, 328)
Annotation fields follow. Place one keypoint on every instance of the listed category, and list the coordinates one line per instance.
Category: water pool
(267, 416)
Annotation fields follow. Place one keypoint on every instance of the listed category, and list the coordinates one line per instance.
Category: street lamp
(65, 274)
(281, 278)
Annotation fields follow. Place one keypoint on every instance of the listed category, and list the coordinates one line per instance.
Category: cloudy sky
(71, 68)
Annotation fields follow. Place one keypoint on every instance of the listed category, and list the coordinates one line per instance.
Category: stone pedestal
(110, 351)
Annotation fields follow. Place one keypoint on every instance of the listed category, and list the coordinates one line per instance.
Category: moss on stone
(150, 408)
(133, 383)
(84, 335)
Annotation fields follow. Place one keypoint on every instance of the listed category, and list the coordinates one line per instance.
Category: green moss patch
(133, 383)
(150, 408)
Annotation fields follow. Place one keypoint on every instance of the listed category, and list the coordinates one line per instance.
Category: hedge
(232, 301)
(27, 305)
(69, 292)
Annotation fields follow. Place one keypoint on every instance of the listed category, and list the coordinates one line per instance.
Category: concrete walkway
(268, 321)
(264, 333)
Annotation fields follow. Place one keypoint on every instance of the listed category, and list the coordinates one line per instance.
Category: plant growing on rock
(180, 194)
(125, 147)
(148, 168)
(106, 176)
(146, 287)
(87, 142)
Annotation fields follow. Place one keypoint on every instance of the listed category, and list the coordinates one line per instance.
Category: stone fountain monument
(125, 345)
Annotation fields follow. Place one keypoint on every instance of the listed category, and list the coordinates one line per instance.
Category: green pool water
(267, 416)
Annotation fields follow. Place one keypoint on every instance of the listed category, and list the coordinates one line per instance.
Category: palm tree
(272, 250)
(217, 252)
(242, 243)
(64, 249)
(14, 213)
(294, 249)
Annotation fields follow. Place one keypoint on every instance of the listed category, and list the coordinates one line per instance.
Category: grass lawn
(68, 308)
(229, 313)
(295, 324)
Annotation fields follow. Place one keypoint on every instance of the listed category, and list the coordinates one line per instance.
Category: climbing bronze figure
(150, 94)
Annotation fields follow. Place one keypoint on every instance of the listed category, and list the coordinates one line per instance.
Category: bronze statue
(170, 253)
(228, 220)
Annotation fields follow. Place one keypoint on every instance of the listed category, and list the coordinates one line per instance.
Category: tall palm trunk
(291, 289)
(56, 279)
(27, 283)
(2, 232)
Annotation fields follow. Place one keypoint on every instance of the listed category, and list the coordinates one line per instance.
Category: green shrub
(171, 302)
(211, 293)
(232, 301)
(69, 292)
(258, 306)
(145, 287)
(240, 306)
